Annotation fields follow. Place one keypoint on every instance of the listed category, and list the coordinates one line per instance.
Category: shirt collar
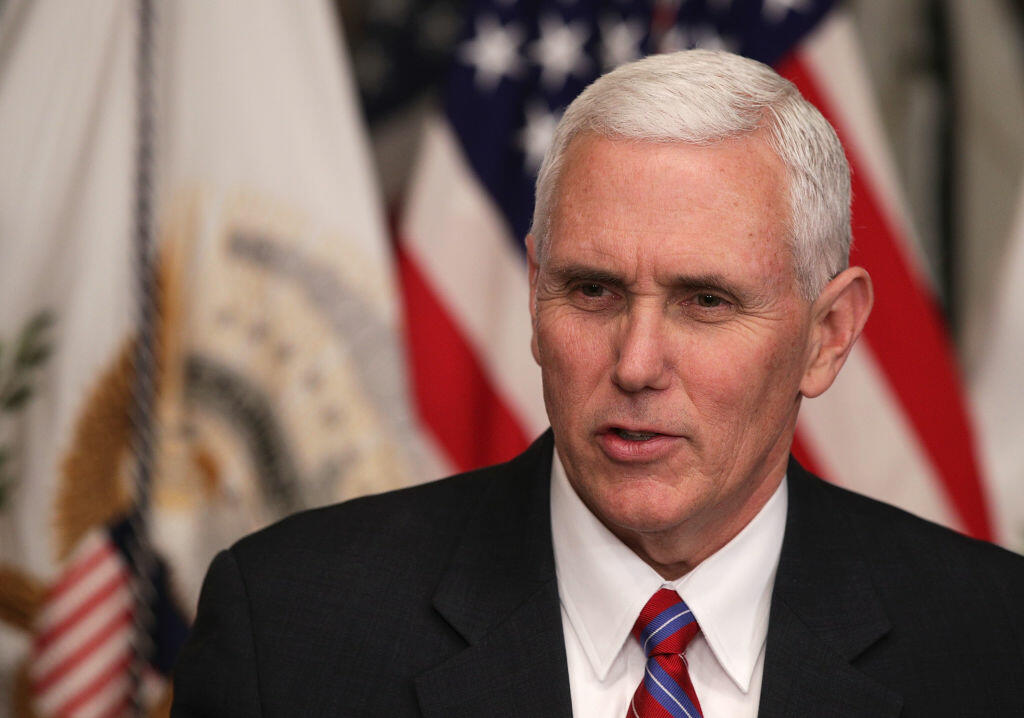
(603, 585)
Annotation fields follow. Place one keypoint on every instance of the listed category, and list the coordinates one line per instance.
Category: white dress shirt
(603, 586)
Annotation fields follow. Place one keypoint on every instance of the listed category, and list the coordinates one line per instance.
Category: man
(657, 552)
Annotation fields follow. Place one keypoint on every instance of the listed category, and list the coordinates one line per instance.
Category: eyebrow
(694, 282)
(574, 272)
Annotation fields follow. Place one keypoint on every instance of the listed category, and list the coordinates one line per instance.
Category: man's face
(671, 337)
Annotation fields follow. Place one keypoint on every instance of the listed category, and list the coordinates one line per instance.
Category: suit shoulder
(893, 534)
(398, 514)
(411, 523)
(422, 512)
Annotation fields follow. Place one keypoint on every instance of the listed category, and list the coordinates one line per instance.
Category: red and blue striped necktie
(664, 628)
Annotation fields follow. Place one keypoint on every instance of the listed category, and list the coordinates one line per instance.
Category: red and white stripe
(998, 395)
(894, 425)
(466, 301)
(82, 653)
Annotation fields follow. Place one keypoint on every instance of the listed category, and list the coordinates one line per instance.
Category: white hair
(702, 97)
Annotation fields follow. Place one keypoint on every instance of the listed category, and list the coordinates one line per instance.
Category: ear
(838, 316)
(533, 268)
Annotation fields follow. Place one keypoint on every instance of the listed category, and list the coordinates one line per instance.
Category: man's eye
(591, 290)
(709, 301)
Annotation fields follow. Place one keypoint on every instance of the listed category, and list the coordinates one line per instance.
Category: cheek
(740, 375)
(784, 359)
(568, 343)
(719, 387)
(572, 355)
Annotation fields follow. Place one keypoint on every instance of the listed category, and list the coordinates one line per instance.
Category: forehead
(660, 205)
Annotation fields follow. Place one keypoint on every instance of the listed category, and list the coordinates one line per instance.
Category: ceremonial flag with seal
(276, 371)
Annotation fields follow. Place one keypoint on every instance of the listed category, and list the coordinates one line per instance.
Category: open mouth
(637, 444)
(635, 435)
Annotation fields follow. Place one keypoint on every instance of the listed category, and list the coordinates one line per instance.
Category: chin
(643, 507)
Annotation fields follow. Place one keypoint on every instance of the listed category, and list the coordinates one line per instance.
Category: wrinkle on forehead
(656, 193)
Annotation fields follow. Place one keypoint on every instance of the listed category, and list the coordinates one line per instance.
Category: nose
(642, 361)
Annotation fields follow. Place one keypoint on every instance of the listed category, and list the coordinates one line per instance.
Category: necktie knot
(666, 625)
(664, 628)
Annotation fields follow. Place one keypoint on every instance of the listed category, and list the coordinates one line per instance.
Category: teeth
(635, 435)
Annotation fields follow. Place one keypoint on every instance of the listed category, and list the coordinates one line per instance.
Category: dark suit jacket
(441, 601)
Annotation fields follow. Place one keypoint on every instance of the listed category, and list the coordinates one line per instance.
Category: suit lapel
(824, 614)
(501, 595)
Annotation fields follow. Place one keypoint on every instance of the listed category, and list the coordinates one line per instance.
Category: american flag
(85, 641)
(893, 426)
